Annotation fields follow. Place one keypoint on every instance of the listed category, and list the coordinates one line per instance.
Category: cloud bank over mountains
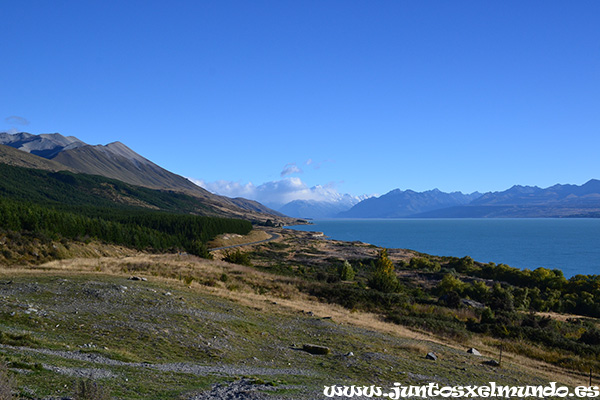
(289, 195)
(276, 194)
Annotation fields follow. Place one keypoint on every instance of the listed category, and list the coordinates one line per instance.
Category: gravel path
(181, 367)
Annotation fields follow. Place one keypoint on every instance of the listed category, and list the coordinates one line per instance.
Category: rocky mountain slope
(17, 158)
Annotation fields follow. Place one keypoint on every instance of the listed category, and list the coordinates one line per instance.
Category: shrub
(200, 249)
(346, 271)
(384, 278)
(450, 283)
(237, 257)
(591, 336)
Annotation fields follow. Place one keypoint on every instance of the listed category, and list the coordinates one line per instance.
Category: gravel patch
(182, 367)
(241, 390)
(91, 373)
(227, 370)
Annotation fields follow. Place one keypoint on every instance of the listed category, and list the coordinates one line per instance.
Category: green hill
(55, 205)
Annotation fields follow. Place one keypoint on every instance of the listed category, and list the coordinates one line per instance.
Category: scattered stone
(431, 356)
(350, 354)
(246, 389)
(315, 349)
(472, 303)
(168, 294)
(91, 373)
(492, 363)
(474, 351)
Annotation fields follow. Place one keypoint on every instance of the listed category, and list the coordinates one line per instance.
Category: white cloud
(289, 169)
(275, 194)
(16, 120)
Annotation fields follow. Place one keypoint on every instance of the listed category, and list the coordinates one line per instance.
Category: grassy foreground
(196, 322)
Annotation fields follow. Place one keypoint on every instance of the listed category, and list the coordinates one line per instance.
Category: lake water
(571, 245)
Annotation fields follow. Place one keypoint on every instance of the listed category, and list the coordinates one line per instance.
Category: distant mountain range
(529, 202)
(55, 152)
(517, 202)
(401, 204)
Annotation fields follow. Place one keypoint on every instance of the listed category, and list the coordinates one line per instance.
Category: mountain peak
(46, 145)
(119, 149)
(399, 204)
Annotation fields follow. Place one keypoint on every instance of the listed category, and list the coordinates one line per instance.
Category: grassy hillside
(174, 336)
(38, 205)
(65, 188)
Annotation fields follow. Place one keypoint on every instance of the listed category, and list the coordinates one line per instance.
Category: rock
(137, 278)
(314, 349)
(474, 351)
(431, 356)
(492, 363)
(350, 354)
(472, 303)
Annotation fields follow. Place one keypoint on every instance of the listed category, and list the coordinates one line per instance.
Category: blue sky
(358, 97)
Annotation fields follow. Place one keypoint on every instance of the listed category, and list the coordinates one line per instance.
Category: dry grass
(231, 239)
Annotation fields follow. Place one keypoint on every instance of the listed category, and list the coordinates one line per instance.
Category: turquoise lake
(571, 245)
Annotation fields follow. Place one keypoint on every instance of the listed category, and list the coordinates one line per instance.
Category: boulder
(492, 363)
(474, 351)
(314, 349)
(431, 356)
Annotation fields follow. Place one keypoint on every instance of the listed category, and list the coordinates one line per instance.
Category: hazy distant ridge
(517, 202)
(399, 204)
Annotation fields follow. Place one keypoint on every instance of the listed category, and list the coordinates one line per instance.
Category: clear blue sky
(458, 95)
